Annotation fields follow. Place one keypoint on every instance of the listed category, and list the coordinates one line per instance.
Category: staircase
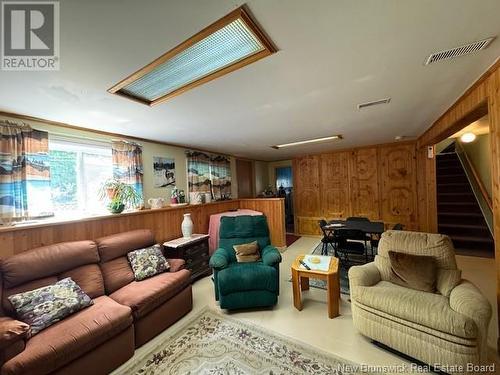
(459, 214)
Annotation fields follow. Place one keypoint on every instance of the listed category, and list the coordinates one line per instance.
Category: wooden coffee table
(300, 282)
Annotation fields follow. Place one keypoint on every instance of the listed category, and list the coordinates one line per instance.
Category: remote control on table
(305, 265)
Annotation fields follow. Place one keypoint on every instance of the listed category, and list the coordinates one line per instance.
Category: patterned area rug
(214, 344)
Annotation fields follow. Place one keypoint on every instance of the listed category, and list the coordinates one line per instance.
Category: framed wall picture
(164, 171)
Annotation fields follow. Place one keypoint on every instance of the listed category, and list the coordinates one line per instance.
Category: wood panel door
(306, 186)
(334, 186)
(364, 183)
(245, 178)
(399, 185)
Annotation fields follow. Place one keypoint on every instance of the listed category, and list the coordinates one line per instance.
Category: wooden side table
(194, 251)
(300, 282)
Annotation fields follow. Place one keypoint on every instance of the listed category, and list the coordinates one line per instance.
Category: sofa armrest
(270, 256)
(365, 275)
(13, 334)
(176, 264)
(219, 259)
(468, 300)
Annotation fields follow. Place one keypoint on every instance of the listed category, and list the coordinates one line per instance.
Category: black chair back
(357, 218)
(398, 227)
(351, 234)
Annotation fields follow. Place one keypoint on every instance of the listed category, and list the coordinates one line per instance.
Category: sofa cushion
(144, 296)
(413, 271)
(147, 262)
(70, 338)
(47, 261)
(116, 274)
(427, 309)
(42, 307)
(88, 277)
(239, 277)
(118, 245)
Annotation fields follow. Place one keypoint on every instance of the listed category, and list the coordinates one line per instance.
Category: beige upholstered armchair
(448, 328)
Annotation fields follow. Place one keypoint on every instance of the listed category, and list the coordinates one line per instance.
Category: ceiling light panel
(229, 44)
(308, 141)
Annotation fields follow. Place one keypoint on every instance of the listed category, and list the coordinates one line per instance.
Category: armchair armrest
(12, 338)
(176, 264)
(270, 256)
(365, 275)
(219, 259)
(466, 299)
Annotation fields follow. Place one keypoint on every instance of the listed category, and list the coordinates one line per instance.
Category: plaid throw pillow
(147, 262)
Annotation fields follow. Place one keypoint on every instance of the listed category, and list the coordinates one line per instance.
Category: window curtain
(209, 174)
(24, 172)
(127, 164)
(198, 168)
(220, 175)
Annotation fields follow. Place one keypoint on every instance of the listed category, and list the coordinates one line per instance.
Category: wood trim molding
(241, 13)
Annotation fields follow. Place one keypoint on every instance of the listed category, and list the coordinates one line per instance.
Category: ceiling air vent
(459, 51)
(375, 102)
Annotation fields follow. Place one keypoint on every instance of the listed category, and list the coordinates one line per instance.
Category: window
(78, 168)
(283, 177)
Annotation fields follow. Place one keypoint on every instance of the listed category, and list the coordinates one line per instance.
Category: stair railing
(478, 188)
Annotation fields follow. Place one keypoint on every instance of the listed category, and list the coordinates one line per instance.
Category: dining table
(369, 227)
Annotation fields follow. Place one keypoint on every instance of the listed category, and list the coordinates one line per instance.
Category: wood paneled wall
(274, 209)
(483, 96)
(377, 182)
(165, 223)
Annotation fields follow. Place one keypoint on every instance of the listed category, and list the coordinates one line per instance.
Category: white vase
(187, 226)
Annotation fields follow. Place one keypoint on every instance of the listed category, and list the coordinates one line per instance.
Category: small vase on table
(187, 226)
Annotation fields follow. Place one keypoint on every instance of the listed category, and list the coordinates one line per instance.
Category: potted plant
(119, 195)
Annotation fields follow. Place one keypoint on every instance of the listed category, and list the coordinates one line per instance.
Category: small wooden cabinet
(194, 251)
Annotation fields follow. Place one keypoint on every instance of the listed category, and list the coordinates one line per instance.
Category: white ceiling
(332, 56)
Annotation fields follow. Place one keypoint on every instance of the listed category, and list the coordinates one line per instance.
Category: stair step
(457, 204)
(471, 239)
(454, 194)
(463, 226)
(471, 214)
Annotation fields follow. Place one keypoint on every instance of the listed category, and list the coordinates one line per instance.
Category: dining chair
(329, 237)
(357, 218)
(351, 241)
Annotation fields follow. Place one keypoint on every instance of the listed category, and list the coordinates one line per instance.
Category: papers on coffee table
(323, 265)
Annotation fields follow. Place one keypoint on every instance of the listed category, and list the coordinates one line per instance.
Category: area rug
(211, 343)
(291, 238)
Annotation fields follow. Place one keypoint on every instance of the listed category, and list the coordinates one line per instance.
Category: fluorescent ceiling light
(468, 137)
(316, 140)
(228, 44)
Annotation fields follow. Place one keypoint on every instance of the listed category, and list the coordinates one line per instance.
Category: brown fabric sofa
(96, 340)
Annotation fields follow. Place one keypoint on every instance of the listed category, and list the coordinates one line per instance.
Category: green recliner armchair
(245, 285)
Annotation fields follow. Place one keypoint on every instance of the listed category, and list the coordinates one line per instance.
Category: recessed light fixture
(228, 44)
(375, 102)
(468, 137)
(315, 140)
